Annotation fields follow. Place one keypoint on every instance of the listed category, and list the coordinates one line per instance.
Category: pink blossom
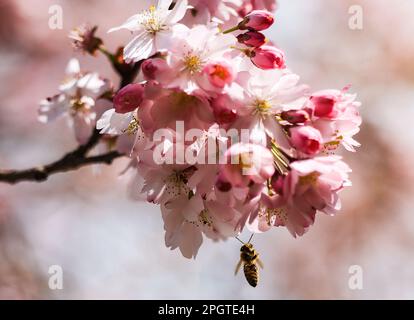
(336, 115)
(306, 139)
(312, 185)
(268, 57)
(176, 106)
(247, 163)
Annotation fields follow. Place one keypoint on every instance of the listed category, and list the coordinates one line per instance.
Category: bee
(249, 258)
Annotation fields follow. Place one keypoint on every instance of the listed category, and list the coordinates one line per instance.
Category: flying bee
(249, 258)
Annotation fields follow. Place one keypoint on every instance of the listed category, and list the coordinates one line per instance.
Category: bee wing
(238, 266)
(260, 263)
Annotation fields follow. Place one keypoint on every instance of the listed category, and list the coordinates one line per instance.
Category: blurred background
(112, 247)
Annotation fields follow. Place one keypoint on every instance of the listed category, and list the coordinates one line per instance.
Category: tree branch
(71, 161)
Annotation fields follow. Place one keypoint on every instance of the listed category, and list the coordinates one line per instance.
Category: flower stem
(231, 30)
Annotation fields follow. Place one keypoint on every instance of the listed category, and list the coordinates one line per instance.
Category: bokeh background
(112, 247)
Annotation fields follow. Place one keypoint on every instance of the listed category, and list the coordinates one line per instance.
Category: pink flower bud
(324, 104)
(257, 20)
(252, 39)
(268, 57)
(129, 98)
(306, 139)
(151, 68)
(295, 116)
(219, 74)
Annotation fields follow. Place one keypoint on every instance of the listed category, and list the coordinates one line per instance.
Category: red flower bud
(324, 104)
(306, 139)
(129, 98)
(268, 57)
(252, 39)
(295, 116)
(257, 20)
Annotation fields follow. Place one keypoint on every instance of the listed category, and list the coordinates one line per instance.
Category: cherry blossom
(219, 131)
(79, 99)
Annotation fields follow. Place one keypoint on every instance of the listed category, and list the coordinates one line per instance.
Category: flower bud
(268, 57)
(324, 104)
(306, 139)
(295, 116)
(257, 20)
(153, 68)
(129, 98)
(252, 39)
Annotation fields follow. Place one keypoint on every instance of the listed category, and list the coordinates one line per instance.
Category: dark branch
(71, 161)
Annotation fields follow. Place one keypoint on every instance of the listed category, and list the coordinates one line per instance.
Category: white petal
(73, 67)
(92, 85)
(53, 108)
(132, 24)
(178, 12)
(141, 47)
(114, 123)
(163, 5)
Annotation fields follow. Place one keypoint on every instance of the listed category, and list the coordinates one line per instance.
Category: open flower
(153, 29)
(79, 99)
(200, 51)
(268, 93)
(312, 185)
(187, 219)
(336, 115)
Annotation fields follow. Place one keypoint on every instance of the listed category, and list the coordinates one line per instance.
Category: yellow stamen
(192, 63)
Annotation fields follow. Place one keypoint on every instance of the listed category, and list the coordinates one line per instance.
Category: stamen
(192, 63)
(262, 106)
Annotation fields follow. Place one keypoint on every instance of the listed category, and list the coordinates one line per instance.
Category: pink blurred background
(112, 247)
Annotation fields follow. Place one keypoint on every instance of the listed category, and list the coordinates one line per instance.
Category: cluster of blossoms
(221, 134)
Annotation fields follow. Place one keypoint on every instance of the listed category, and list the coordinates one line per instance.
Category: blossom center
(262, 106)
(310, 179)
(77, 105)
(192, 63)
(205, 219)
(176, 184)
(220, 72)
(245, 161)
(132, 127)
(151, 20)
